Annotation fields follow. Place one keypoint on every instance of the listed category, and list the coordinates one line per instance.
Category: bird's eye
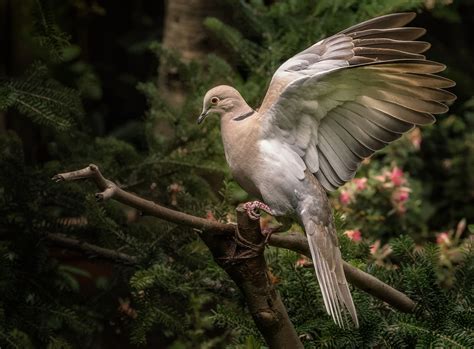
(214, 100)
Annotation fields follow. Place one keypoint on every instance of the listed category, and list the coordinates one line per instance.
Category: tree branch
(111, 190)
(89, 249)
(360, 279)
(294, 242)
(246, 265)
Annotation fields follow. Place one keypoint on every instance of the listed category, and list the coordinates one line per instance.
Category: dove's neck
(237, 122)
(237, 109)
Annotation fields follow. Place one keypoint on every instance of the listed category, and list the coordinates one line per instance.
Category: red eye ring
(214, 100)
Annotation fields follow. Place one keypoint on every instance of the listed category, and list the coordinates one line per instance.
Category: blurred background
(120, 84)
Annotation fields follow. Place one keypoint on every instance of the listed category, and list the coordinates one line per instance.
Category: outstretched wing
(347, 96)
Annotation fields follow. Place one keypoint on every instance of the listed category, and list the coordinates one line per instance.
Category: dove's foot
(253, 208)
(285, 225)
(267, 233)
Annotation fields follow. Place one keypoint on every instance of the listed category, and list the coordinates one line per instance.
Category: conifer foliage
(41, 98)
(173, 294)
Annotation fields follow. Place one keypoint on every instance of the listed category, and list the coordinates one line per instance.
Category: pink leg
(285, 225)
(253, 207)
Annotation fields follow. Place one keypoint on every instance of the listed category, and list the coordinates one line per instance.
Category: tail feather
(327, 262)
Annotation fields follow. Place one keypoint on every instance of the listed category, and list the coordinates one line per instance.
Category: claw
(267, 233)
(253, 208)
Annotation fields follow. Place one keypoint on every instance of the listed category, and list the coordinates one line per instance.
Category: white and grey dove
(327, 109)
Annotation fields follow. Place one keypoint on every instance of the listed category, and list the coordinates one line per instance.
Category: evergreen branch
(247, 50)
(294, 242)
(48, 34)
(449, 341)
(89, 249)
(62, 124)
(42, 97)
(7, 338)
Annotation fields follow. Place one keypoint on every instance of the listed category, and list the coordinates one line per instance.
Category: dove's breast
(242, 154)
(266, 168)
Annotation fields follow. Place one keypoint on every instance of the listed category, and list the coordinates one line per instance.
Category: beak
(203, 116)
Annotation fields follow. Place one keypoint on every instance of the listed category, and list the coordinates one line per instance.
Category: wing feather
(353, 144)
(340, 168)
(405, 33)
(410, 102)
(311, 158)
(385, 53)
(393, 20)
(397, 111)
(371, 128)
(423, 93)
(399, 45)
(426, 80)
(382, 119)
(328, 170)
(351, 160)
(323, 179)
(363, 137)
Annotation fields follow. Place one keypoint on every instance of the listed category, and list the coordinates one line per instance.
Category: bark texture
(243, 260)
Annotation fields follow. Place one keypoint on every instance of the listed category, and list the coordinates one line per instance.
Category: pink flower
(442, 238)
(401, 209)
(345, 197)
(354, 235)
(374, 247)
(174, 190)
(396, 176)
(415, 138)
(401, 194)
(399, 197)
(360, 183)
(302, 261)
(210, 216)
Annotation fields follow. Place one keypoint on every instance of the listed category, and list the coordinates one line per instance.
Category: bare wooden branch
(247, 267)
(294, 242)
(145, 206)
(89, 249)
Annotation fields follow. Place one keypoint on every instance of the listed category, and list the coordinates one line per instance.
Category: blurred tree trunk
(16, 46)
(185, 33)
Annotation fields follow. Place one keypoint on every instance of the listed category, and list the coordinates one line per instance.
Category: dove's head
(223, 100)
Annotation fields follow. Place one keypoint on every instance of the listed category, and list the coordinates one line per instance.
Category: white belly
(280, 174)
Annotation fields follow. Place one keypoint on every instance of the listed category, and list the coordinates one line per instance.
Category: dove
(327, 109)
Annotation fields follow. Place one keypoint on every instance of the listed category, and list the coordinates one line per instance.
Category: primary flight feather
(327, 109)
